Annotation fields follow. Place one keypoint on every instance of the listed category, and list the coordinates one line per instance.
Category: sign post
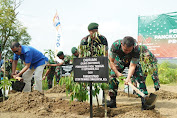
(91, 69)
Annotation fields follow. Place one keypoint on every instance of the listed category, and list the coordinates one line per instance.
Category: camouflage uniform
(57, 73)
(66, 61)
(153, 64)
(123, 60)
(50, 74)
(90, 43)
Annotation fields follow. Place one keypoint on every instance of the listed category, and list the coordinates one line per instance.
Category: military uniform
(66, 61)
(94, 45)
(57, 73)
(51, 74)
(123, 60)
(147, 55)
(93, 42)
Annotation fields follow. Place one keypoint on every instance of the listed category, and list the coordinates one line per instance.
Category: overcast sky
(116, 19)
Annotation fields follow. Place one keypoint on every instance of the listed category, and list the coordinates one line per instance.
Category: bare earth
(55, 104)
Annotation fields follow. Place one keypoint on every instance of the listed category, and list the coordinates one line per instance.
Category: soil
(57, 89)
(55, 104)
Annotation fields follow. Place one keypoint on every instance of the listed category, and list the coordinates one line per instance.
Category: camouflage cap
(60, 53)
(73, 50)
(92, 26)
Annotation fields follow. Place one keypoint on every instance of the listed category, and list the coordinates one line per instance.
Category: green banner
(159, 33)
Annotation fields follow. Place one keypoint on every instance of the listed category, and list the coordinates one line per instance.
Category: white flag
(57, 25)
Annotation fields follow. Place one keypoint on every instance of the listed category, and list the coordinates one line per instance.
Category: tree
(10, 28)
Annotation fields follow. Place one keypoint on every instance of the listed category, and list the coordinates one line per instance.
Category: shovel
(149, 100)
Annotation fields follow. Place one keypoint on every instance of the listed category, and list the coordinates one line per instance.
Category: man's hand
(127, 80)
(15, 76)
(118, 74)
(44, 77)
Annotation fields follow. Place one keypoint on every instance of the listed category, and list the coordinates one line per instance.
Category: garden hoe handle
(137, 90)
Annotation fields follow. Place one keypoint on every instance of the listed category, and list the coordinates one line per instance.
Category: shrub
(167, 73)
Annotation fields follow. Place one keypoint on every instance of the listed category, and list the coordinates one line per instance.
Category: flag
(56, 21)
(57, 25)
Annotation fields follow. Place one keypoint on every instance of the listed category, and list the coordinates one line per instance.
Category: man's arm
(46, 74)
(14, 65)
(27, 65)
(131, 71)
(59, 64)
(113, 67)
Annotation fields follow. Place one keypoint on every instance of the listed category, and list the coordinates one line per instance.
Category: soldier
(123, 53)
(149, 59)
(50, 74)
(75, 53)
(65, 59)
(94, 41)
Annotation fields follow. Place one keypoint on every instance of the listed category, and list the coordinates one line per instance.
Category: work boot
(112, 102)
(156, 89)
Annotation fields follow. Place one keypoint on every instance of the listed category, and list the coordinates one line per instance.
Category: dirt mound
(35, 102)
(162, 94)
(83, 108)
(24, 101)
(57, 89)
(136, 113)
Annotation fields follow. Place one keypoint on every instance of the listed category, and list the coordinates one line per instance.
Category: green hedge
(167, 72)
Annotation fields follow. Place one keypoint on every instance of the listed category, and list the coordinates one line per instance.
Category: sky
(116, 19)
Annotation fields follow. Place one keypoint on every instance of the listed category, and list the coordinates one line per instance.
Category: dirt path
(57, 105)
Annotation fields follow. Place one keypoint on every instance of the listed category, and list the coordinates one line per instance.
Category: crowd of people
(123, 53)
